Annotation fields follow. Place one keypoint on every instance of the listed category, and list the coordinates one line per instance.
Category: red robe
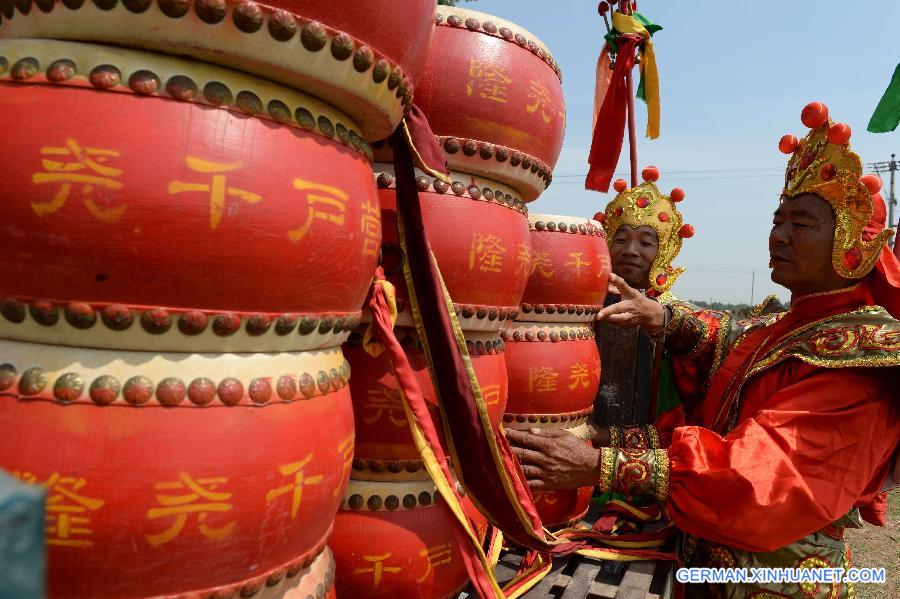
(785, 437)
(805, 442)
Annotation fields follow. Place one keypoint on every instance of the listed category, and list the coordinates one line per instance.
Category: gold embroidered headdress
(647, 205)
(823, 164)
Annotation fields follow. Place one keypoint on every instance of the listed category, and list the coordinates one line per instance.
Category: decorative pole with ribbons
(628, 41)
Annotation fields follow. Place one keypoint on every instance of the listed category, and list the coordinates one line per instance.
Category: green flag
(887, 114)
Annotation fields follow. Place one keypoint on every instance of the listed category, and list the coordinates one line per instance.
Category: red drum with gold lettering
(390, 539)
(395, 540)
(492, 93)
(362, 59)
(384, 444)
(478, 231)
(185, 248)
(187, 210)
(554, 374)
(156, 462)
(569, 270)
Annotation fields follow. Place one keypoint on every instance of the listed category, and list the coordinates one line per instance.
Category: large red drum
(554, 376)
(569, 270)
(478, 231)
(363, 60)
(384, 444)
(492, 93)
(168, 202)
(169, 474)
(394, 540)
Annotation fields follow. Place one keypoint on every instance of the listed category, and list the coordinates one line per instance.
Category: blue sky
(734, 78)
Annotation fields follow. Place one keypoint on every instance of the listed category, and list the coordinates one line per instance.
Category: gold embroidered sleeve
(643, 436)
(635, 472)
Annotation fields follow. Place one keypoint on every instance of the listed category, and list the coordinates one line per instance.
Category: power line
(774, 169)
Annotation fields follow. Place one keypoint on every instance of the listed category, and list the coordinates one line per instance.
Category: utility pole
(891, 167)
(752, 287)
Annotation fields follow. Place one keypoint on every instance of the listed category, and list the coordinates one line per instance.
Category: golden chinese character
(540, 262)
(605, 265)
(300, 481)
(523, 260)
(378, 568)
(371, 229)
(577, 263)
(434, 557)
(345, 450)
(486, 252)
(489, 80)
(491, 395)
(180, 506)
(545, 499)
(217, 190)
(542, 379)
(383, 399)
(579, 375)
(86, 167)
(66, 509)
(333, 201)
(540, 99)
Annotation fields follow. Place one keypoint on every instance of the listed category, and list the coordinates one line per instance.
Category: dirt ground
(878, 547)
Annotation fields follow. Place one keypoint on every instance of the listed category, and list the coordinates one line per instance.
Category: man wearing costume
(798, 411)
(644, 230)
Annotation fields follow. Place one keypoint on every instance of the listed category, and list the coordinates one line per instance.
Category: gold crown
(823, 164)
(647, 205)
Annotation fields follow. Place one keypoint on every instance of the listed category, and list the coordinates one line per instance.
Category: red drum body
(478, 231)
(553, 361)
(554, 374)
(563, 508)
(106, 201)
(492, 93)
(569, 270)
(170, 368)
(351, 58)
(384, 445)
(154, 462)
(395, 540)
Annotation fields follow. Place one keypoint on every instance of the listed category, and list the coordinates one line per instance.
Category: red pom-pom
(872, 182)
(642, 202)
(686, 231)
(661, 280)
(663, 217)
(650, 173)
(603, 8)
(839, 134)
(814, 115)
(677, 194)
(620, 185)
(788, 144)
(600, 217)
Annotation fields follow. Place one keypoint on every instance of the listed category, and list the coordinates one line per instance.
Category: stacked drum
(552, 359)
(492, 95)
(186, 247)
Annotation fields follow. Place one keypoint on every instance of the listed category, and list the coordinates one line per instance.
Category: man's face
(800, 246)
(632, 252)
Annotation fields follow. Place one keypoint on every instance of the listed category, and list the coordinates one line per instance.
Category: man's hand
(555, 459)
(634, 309)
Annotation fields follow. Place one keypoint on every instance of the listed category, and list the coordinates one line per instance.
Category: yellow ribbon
(371, 344)
(628, 24)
